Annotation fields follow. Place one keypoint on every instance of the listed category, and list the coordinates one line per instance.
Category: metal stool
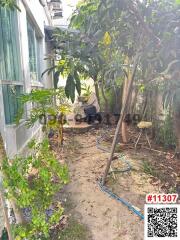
(143, 126)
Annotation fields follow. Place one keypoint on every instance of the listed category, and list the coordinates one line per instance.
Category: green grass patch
(157, 173)
(149, 169)
(74, 231)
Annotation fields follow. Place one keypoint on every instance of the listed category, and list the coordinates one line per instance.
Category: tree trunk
(134, 101)
(123, 110)
(124, 128)
(144, 108)
(96, 89)
(106, 107)
(105, 99)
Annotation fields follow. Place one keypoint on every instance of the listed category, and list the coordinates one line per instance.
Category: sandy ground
(105, 218)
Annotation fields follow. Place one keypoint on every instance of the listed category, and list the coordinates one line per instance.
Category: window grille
(56, 6)
(57, 14)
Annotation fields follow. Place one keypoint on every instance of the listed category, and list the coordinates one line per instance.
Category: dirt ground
(105, 218)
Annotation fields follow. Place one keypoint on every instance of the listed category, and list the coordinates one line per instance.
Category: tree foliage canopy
(108, 32)
(10, 4)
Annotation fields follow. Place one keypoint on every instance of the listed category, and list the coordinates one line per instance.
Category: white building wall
(16, 137)
(68, 6)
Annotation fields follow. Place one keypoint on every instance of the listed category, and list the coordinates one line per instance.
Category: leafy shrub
(113, 100)
(74, 231)
(49, 107)
(32, 183)
(165, 132)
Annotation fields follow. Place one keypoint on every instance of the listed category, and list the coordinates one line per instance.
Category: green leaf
(141, 88)
(107, 39)
(177, 1)
(9, 4)
(166, 99)
(78, 82)
(48, 70)
(70, 88)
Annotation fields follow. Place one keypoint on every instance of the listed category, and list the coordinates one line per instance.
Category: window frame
(38, 52)
(18, 59)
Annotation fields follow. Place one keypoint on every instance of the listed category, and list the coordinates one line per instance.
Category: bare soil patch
(104, 217)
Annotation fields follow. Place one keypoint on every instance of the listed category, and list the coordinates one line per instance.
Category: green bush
(114, 107)
(32, 182)
(73, 231)
(165, 132)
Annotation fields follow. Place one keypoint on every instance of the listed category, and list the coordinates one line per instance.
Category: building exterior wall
(67, 6)
(16, 137)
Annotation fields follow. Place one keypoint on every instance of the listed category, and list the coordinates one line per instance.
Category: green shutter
(11, 94)
(6, 104)
(34, 43)
(2, 63)
(16, 50)
(9, 53)
(10, 68)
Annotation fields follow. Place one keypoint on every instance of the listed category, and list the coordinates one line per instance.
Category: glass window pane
(32, 52)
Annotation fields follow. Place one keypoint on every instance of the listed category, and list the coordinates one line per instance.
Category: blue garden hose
(105, 189)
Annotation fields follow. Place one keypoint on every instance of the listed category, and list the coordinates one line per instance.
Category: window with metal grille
(56, 6)
(10, 66)
(57, 14)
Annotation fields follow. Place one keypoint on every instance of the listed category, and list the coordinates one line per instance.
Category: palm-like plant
(44, 109)
(171, 98)
(165, 24)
